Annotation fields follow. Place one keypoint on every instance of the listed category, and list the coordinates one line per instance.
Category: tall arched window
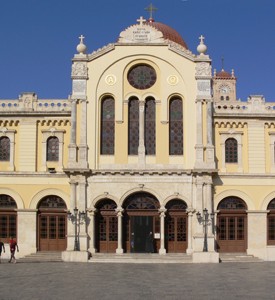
(231, 151)
(4, 148)
(107, 138)
(175, 127)
(133, 126)
(271, 223)
(52, 149)
(150, 126)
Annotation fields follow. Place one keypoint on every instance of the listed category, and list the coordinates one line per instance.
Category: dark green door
(141, 226)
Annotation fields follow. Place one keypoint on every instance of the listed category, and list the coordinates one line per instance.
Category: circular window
(142, 77)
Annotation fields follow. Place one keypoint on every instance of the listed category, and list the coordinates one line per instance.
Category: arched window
(227, 98)
(222, 98)
(150, 126)
(231, 151)
(175, 127)
(107, 138)
(4, 148)
(52, 149)
(8, 223)
(133, 126)
(232, 203)
(271, 223)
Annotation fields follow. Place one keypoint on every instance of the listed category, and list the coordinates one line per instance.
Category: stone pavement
(68, 281)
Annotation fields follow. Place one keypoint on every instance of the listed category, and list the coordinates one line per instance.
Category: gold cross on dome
(141, 20)
(151, 9)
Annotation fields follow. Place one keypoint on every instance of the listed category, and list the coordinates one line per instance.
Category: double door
(52, 230)
(232, 232)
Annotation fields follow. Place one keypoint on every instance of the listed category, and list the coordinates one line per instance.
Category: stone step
(140, 258)
(43, 256)
(238, 257)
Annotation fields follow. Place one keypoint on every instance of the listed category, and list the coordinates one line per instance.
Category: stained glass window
(4, 148)
(150, 126)
(175, 127)
(231, 151)
(107, 145)
(133, 126)
(52, 149)
(142, 77)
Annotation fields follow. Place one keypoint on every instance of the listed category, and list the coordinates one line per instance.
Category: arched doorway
(271, 223)
(52, 224)
(176, 222)
(232, 225)
(141, 223)
(8, 218)
(106, 226)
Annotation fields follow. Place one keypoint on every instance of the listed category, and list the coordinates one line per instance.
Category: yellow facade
(55, 173)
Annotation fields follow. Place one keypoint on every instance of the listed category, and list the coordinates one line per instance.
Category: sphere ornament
(81, 48)
(202, 48)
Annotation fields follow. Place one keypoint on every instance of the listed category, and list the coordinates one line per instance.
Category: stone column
(83, 242)
(119, 212)
(162, 249)
(190, 232)
(27, 234)
(199, 145)
(83, 163)
(91, 229)
(141, 146)
(209, 147)
(72, 145)
(73, 204)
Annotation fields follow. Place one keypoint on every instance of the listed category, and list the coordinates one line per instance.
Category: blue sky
(39, 38)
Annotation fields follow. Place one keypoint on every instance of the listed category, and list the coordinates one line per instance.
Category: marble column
(119, 212)
(83, 163)
(199, 144)
(91, 229)
(72, 145)
(189, 234)
(162, 249)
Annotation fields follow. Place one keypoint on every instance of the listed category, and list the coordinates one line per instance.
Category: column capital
(119, 211)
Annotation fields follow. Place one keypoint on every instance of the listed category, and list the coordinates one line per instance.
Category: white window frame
(45, 135)
(4, 132)
(237, 135)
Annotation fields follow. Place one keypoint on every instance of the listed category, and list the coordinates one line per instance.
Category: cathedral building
(152, 152)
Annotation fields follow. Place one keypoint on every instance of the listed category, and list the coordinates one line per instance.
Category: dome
(223, 74)
(168, 33)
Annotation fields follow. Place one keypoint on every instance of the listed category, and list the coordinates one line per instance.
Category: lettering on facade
(141, 34)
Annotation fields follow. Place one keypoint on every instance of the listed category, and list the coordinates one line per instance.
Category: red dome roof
(168, 32)
(223, 74)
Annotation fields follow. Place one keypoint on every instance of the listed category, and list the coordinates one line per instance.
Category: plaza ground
(137, 281)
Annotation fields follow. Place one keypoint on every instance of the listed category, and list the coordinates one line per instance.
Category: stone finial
(81, 48)
(202, 48)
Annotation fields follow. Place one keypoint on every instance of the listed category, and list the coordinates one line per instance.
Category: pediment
(141, 34)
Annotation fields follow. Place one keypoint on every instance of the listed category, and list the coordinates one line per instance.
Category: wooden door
(52, 231)
(232, 232)
(106, 224)
(176, 233)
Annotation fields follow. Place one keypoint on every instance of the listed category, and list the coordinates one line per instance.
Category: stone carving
(79, 69)
(203, 69)
(110, 79)
(141, 33)
(173, 80)
(79, 87)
